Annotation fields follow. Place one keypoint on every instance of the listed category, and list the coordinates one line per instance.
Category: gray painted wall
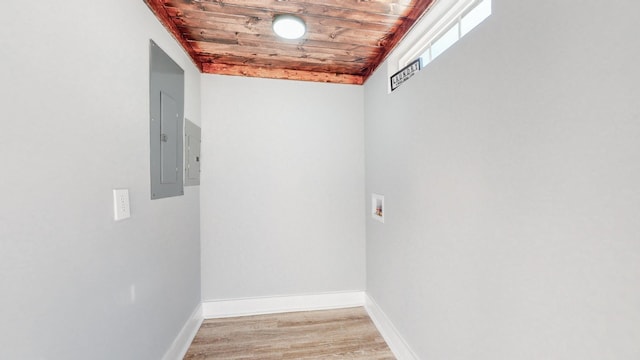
(511, 169)
(74, 284)
(282, 186)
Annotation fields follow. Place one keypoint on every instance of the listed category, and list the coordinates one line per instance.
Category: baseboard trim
(280, 304)
(181, 344)
(396, 342)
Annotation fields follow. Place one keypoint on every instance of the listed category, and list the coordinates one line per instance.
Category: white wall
(282, 188)
(511, 169)
(74, 92)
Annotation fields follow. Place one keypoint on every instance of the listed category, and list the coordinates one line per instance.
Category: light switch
(121, 208)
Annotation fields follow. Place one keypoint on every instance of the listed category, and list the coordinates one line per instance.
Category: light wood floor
(330, 334)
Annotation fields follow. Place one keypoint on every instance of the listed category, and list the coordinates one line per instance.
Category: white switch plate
(121, 208)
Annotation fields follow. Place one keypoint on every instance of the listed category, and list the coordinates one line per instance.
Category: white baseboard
(396, 343)
(181, 344)
(279, 304)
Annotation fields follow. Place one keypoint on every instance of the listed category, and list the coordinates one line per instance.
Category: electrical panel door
(166, 100)
(169, 171)
(192, 139)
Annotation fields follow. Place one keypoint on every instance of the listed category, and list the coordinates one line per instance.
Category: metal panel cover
(166, 100)
(192, 140)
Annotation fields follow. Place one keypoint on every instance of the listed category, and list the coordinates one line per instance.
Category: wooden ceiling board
(337, 38)
(359, 10)
(346, 40)
(289, 74)
(249, 41)
(255, 54)
(281, 64)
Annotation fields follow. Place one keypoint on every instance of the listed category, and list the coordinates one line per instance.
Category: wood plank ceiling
(345, 41)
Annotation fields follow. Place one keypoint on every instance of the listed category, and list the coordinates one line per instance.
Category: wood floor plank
(311, 335)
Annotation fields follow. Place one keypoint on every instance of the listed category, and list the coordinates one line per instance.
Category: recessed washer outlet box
(377, 207)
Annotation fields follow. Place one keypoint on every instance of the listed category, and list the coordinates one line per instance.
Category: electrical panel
(166, 100)
(192, 140)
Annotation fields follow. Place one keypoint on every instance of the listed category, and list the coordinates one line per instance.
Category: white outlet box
(121, 209)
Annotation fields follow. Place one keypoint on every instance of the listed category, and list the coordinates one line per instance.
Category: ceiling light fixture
(289, 27)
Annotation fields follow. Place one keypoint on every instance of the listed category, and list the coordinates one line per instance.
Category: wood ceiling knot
(253, 20)
(337, 32)
(346, 40)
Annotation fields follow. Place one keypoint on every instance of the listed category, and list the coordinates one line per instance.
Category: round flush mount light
(289, 26)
